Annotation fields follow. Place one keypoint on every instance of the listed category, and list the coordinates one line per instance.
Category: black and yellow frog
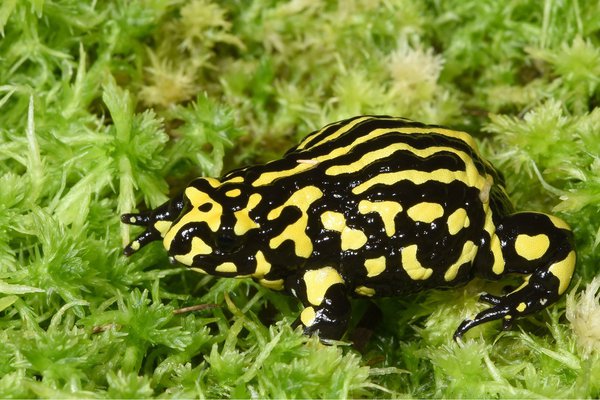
(369, 206)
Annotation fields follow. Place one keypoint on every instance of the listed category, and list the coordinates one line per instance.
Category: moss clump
(107, 106)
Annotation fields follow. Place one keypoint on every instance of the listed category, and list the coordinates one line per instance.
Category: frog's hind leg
(536, 245)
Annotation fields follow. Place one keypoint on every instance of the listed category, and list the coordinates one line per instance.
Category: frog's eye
(227, 243)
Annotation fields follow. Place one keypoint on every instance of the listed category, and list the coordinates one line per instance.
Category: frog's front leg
(326, 306)
(536, 245)
(157, 223)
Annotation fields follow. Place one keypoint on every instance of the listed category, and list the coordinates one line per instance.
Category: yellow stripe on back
(373, 156)
(343, 129)
(420, 177)
(268, 177)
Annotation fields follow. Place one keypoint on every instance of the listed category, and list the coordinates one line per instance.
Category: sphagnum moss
(102, 102)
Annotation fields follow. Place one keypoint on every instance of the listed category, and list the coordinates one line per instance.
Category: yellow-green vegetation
(109, 106)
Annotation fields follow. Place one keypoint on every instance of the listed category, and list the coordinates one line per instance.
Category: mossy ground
(106, 106)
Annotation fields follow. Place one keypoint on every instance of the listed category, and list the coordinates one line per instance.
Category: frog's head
(208, 227)
(213, 229)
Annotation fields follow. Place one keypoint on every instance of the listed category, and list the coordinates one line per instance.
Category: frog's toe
(490, 299)
(514, 305)
(148, 236)
(497, 312)
(139, 219)
(507, 323)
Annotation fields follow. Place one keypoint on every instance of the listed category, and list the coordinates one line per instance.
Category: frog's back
(401, 204)
(369, 148)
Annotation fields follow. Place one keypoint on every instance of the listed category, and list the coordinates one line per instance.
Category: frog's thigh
(326, 305)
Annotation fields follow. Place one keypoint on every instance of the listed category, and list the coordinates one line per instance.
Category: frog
(370, 206)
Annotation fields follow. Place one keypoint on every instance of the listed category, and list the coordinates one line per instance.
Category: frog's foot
(149, 235)
(326, 305)
(156, 221)
(539, 290)
(516, 304)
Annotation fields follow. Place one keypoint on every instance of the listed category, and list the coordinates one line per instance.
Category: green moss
(112, 105)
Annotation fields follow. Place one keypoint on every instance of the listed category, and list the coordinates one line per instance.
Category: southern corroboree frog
(369, 206)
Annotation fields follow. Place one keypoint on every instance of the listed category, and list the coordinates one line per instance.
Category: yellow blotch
(521, 307)
(387, 210)
(563, 270)
(364, 291)
(495, 246)
(532, 247)
(296, 232)
(457, 221)
(227, 267)
(198, 198)
(163, 227)
(351, 239)
(233, 193)
(375, 266)
(253, 200)
(135, 245)
(425, 212)
(302, 199)
(499, 262)
(198, 247)
(412, 266)
(263, 267)
(237, 179)
(333, 221)
(186, 259)
(311, 161)
(276, 284)
(214, 182)
(318, 281)
(243, 222)
(308, 316)
(468, 253)
(559, 223)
